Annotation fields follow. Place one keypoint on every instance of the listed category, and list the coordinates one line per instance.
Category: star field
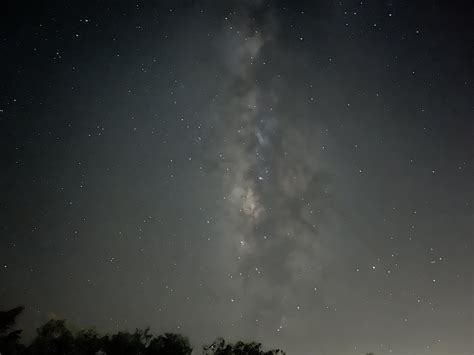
(297, 173)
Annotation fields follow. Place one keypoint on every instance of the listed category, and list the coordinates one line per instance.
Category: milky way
(296, 173)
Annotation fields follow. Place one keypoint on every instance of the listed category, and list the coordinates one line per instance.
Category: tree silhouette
(220, 347)
(87, 342)
(9, 339)
(53, 338)
(124, 343)
(169, 344)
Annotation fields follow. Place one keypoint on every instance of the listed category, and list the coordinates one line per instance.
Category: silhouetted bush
(55, 338)
(220, 347)
(9, 339)
(87, 342)
(169, 344)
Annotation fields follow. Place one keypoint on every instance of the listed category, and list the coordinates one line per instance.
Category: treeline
(55, 338)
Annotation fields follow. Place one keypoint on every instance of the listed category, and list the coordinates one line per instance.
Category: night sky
(296, 173)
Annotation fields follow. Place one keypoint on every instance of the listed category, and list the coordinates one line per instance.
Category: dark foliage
(169, 344)
(87, 342)
(55, 338)
(9, 339)
(220, 347)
